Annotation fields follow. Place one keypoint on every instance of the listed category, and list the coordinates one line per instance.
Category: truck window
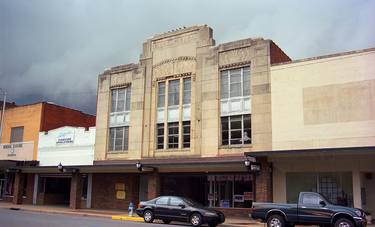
(310, 199)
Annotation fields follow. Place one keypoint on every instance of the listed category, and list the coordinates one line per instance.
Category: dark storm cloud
(54, 50)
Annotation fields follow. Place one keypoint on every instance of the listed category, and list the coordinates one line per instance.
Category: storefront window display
(230, 191)
(336, 187)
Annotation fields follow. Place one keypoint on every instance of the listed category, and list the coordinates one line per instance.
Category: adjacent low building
(19, 144)
(323, 128)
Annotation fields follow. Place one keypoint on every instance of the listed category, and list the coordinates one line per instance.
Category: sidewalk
(120, 215)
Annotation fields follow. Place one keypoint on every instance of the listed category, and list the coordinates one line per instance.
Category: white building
(66, 145)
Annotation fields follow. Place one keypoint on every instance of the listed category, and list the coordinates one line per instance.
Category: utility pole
(2, 113)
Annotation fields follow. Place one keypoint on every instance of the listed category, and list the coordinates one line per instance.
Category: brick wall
(104, 193)
(29, 189)
(54, 116)
(277, 55)
(263, 182)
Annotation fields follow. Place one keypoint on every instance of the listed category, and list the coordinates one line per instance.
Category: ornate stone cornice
(121, 68)
(234, 65)
(120, 85)
(181, 58)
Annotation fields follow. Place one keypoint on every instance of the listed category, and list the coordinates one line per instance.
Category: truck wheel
(277, 221)
(344, 222)
(148, 216)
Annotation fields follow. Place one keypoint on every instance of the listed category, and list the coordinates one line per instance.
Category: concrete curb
(127, 218)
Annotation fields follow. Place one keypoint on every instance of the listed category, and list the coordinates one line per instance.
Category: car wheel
(275, 221)
(196, 219)
(344, 222)
(148, 216)
(166, 221)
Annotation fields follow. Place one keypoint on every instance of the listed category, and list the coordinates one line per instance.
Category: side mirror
(322, 203)
(182, 205)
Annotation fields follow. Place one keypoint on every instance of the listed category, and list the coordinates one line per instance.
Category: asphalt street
(20, 218)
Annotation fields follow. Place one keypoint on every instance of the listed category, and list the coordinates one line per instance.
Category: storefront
(345, 176)
(223, 190)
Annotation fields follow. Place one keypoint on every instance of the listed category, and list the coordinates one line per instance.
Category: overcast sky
(54, 50)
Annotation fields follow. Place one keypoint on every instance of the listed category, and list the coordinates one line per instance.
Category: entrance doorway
(54, 191)
(191, 186)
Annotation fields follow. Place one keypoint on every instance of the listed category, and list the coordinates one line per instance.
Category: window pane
(173, 135)
(162, 201)
(235, 83)
(186, 134)
(113, 103)
(128, 97)
(224, 131)
(161, 94)
(187, 91)
(173, 92)
(247, 129)
(111, 139)
(175, 201)
(246, 81)
(126, 138)
(119, 139)
(224, 85)
(160, 136)
(236, 129)
(120, 100)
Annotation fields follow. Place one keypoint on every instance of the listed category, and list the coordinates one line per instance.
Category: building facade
(187, 112)
(323, 128)
(19, 144)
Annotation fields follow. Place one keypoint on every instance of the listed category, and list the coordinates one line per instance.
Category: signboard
(238, 198)
(119, 187)
(65, 137)
(120, 194)
(248, 196)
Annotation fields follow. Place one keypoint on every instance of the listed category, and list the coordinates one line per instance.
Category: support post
(75, 191)
(153, 185)
(18, 188)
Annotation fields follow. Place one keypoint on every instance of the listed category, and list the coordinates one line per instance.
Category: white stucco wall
(68, 145)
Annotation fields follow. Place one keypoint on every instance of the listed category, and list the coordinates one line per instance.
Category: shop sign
(248, 195)
(65, 137)
(238, 177)
(119, 187)
(120, 194)
(238, 198)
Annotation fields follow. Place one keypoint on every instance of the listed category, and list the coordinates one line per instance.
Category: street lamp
(60, 167)
(142, 167)
(3, 112)
(139, 166)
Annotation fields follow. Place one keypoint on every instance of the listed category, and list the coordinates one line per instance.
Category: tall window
(16, 134)
(235, 106)
(178, 114)
(118, 138)
(173, 92)
(119, 119)
(235, 129)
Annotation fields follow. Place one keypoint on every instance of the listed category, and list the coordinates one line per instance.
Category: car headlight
(358, 212)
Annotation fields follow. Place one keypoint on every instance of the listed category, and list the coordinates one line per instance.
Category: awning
(342, 151)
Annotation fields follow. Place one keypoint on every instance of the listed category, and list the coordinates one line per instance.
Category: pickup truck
(312, 209)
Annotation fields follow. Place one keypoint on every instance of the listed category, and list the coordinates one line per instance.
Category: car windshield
(191, 202)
